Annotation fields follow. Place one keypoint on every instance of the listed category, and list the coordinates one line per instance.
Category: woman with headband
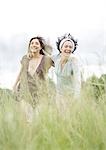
(67, 69)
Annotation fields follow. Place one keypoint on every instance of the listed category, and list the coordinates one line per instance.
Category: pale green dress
(68, 78)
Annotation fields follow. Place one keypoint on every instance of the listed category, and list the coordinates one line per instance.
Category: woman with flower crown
(67, 69)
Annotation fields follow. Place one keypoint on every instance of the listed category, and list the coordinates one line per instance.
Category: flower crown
(64, 38)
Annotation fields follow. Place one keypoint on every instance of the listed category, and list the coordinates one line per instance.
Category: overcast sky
(22, 19)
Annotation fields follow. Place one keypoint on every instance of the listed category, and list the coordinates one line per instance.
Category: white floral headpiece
(64, 40)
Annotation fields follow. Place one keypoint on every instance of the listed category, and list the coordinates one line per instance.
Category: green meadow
(81, 127)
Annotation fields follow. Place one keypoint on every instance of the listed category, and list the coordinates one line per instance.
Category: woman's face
(35, 46)
(67, 48)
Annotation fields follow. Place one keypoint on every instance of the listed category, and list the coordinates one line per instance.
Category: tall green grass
(81, 127)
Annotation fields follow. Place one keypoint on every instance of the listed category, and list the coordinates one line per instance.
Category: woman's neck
(36, 55)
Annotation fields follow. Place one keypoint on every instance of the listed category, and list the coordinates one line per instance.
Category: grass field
(81, 127)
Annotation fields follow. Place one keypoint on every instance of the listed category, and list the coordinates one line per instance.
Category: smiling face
(35, 46)
(67, 48)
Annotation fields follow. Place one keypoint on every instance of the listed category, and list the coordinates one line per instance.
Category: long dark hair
(41, 41)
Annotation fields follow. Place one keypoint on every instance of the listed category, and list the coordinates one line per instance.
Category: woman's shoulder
(48, 60)
(74, 58)
(75, 61)
(24, 58)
